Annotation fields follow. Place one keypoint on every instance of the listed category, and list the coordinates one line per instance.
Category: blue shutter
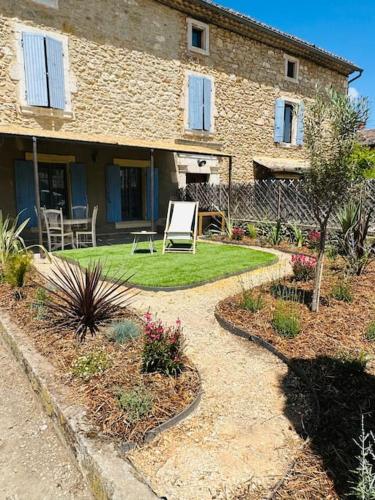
(279, 120)
(35, 69)
(25, 191)
(79, 184)
(156, 194)
(196, 102)
(207, 87)
(113, 193)
(55, 65)
(300, 124)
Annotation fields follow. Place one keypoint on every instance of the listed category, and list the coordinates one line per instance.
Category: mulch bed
(170, 395)
(330, 350)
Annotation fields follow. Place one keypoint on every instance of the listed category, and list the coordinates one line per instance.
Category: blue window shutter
(207, 87)
(113, 194)
(25, 191)
(156, 194)
(35, 69)
(55, 65)
(279, 120)
(300, 124)
(79, 184)
(196, 102)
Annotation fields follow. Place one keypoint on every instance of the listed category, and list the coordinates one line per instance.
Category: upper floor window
(291, 68)
(289, 122)
(200, 103)
(198, 37)
(43, 59)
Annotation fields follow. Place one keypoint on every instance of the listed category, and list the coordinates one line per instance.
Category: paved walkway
(34, 464)
(239, 431)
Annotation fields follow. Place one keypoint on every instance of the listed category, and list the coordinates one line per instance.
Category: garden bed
(334, 351)
(122, 371)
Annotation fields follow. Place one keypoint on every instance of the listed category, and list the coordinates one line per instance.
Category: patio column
(37, 192)
(230, 184)
(152, 189)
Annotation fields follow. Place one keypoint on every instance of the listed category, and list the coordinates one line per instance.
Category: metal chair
(54, 228)
(88, 238)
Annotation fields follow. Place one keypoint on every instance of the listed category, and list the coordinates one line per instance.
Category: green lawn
(171, 270)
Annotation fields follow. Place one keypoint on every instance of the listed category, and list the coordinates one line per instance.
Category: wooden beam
(152, 189)
(37, 192)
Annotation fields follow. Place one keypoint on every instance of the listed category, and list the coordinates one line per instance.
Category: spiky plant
(83, 299)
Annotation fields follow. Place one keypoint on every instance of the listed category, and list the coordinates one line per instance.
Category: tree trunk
(319, 270)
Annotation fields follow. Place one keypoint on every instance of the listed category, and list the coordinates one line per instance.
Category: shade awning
(287, 165)
(114, 140)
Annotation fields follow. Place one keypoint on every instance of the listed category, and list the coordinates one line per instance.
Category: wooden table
(213, 214)
(77, 222)
(148, 235)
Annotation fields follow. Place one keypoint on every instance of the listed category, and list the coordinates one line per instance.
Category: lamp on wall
(202, 163)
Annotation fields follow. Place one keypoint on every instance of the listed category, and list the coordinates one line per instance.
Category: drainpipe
(152, 189)
(230, 184)
(37, 192)
(360, 73)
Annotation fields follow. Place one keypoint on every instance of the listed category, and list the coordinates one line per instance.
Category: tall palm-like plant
(83, 299)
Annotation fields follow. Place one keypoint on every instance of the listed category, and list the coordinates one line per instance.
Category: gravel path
(239, 432)
(34, 464)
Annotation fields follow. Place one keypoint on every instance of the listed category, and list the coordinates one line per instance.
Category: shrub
(285, 321)
(297, 236)
(163, 347)
(251, 302)
(39, 305)
(16, 267)
(93, 363)
(124, 331)
(276, 233)
(342, 291)
(252, 231)
(313, 239)
(136, 403)
(370, 332)
(79, 299)
(303, 267)
(364, 484)
(357, 361)
(238, 233)
(332, 252)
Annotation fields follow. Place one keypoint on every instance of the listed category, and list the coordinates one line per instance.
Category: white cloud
(353, 93)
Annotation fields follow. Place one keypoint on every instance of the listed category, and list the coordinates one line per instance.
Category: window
(198, 37)
(200, 103)
(291, 68)
(48, 3)
(43, 59)
(289, 122)
(131, 193)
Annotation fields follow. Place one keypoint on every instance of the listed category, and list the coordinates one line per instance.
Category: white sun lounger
(181, 227)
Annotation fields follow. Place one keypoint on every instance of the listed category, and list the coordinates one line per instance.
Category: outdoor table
(77, 222)
(147, 235)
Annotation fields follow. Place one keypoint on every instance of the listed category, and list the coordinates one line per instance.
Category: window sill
(197, 50)
(287, 145)
(46, 112)
(292, 80)
(199, 133)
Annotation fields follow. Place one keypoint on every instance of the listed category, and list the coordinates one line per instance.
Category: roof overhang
(114, 140)
(283, 165)
(212, 13)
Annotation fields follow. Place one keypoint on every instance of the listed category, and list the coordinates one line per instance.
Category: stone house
(117, 103)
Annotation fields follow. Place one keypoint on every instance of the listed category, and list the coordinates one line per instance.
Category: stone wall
(128, 67)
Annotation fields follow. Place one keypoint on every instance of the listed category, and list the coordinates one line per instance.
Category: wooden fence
(264, 200)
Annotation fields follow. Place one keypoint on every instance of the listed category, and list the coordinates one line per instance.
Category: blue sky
(344, 27)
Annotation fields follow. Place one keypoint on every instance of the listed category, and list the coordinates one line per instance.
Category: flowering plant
(163, 347)
(314, 239)
(303, 267)
(238, 233)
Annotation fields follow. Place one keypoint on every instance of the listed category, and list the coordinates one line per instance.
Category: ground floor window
(192, 178)
(53, 187)
(131, 193)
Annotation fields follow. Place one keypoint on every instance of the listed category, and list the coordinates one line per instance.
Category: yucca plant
(11, 241)
(82, 298)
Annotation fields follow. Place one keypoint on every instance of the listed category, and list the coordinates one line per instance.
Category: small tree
(331, 134)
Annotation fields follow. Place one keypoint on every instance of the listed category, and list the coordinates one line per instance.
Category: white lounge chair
(181, 227)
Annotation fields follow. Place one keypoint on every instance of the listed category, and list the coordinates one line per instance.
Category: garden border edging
(240, 332)
(108, 474)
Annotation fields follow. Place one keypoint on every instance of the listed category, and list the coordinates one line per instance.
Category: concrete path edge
(108, 475)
